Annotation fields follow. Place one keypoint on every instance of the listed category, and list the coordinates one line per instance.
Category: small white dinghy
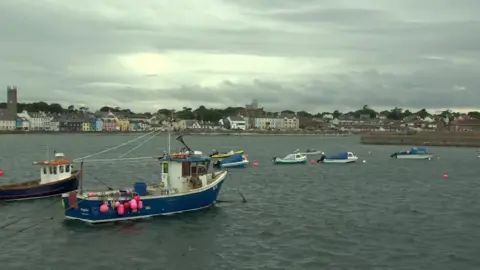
(295, 158)
(344, 157)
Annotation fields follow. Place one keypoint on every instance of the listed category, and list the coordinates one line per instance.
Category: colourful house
(92, 124)
(98, 125)
(19, 123)
(124, 124)
(85, 126)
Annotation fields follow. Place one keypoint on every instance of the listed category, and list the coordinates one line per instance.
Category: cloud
(314, 55)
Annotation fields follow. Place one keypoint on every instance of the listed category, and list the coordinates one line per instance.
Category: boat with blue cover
(185, 185)
(235, 161)
(57, 176)
(414, 153)
(341, 158)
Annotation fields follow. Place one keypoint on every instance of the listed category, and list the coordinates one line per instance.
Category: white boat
(414, 153)
(344, 157)
(295, 158)
(310, 152)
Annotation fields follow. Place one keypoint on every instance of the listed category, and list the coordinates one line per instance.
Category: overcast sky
(313, 55)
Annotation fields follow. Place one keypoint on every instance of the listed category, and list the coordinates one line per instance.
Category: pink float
(126, 205)
(133, 204)
(255, 164)
(121, 209)
(104, 208)
(1, 173)
(312, 161)
(137, 198)
(117, 204)
(92, 194)
(140, 205)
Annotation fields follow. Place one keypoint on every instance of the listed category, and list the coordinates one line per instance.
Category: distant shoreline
(451, 139)
(186, 132)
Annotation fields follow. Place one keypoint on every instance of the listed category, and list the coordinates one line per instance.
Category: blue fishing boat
(185, 185)
(235, 161)
(56, 177)
(414, 153)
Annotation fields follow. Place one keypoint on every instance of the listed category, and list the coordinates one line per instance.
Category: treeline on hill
(210, 114)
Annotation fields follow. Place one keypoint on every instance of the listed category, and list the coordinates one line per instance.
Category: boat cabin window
(350, 154)
(54, 169)
(297, 156)
(44, 170)
(60, 168)
(51, 170)
(186, 168)
(194, 169)
(67, 168)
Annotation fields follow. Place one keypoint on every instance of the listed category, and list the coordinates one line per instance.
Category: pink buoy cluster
(133, 205)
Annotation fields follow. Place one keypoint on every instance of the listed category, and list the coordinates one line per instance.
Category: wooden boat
(342, 158)
(414, 153)
(56, 177)
(185, 185)
(295, 158)
(217, 155)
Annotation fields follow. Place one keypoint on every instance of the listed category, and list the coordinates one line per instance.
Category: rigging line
(24, 217)
(41, 222)
(136, 147)
(113, 148)
(119, 159)
(100, 181)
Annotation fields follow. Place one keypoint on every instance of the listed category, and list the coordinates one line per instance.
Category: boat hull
(89, 210)
(410, 156)
(339, 161)
(40, 191)
(240, 164)
(312, 153)
(286, 162)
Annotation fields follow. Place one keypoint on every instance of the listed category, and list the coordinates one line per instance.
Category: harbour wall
(454, 139)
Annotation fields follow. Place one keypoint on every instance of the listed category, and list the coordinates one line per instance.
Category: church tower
(12, 102)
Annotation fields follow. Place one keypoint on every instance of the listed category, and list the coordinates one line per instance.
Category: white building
(237, 122)
(38, 121)
(55, 124)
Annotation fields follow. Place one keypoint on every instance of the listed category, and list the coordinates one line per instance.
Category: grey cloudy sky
(315, 55)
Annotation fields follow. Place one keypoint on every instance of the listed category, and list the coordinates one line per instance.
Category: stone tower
(12, 102)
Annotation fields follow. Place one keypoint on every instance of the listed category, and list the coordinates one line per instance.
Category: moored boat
(341, 158)
(414, 153)
(57, 176)
(310, 152)
(217, 155)
(295, 158)
(185, 185)
(235, 161)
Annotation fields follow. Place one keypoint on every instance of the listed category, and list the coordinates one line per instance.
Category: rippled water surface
(381, 214)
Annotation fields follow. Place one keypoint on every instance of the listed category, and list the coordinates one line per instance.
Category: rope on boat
(142, 143)
(113, 148)
(132, 159)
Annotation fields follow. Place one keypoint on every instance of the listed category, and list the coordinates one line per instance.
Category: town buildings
(252, 118)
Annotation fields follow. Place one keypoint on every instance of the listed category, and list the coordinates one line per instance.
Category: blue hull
(89, 210)
(39, 191)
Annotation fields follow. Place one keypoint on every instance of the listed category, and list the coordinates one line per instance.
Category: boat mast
(169, 131)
